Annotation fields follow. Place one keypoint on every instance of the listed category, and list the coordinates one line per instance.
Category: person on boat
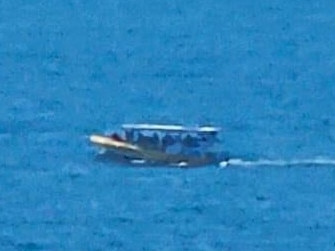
(117, 137)
(139, 138)
(155, 139)
(129, 136)
(167, 141)
(151, 142)
(145, 141)
(190, 142)
(208, 140)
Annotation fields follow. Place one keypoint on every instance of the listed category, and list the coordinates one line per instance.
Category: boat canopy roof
(170, 128)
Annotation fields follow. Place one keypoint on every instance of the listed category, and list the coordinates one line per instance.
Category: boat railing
(171, 142)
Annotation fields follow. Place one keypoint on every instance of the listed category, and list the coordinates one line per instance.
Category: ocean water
(264, 71)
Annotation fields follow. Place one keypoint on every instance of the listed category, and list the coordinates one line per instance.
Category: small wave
(267, 162)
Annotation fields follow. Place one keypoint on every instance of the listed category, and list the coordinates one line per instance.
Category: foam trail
(265, 162)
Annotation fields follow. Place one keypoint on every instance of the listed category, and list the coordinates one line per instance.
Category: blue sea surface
(262, 70)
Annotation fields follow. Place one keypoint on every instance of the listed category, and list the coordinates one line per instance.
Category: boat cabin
(171, 138)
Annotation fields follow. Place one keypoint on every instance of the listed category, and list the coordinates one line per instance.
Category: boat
(163, 144)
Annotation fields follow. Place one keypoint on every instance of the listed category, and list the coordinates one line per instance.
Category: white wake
(319, 161)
